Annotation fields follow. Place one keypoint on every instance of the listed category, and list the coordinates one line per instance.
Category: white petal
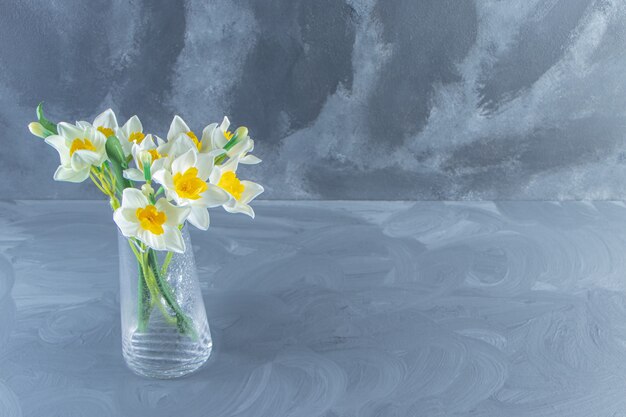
(177, 127)
(83, 125)
(174, 240)
(231, 165)
(83, 158)
(207, 133)
(127, 146)
(185, 161)
(215, 175)
(156, 242)
(241, 148)
(240, 208)
(97, 138)
(147, 143)
(158, 165)
(132, 125)
(250, 192)
(60, 144)
(127, 227)
(175, 215)
(199, 217)
(204, 163)
(218, 140)
(132, 198)
(214, 196)
(249, 160)
(57, 142)
(177, 146)
(133, 174)
(171, 195)
(70, 131)
(215, 152)
(164, 178)
(70, 175)
(225, 124)
(160, 141)
(106, 119)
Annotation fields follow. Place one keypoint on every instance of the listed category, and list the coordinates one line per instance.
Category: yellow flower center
(136, 137)
(81, 144)
(151, 219)
(228, 135)
(155, 154)
(195, 140)
(229, 182)
(106, 131)
(188, 185)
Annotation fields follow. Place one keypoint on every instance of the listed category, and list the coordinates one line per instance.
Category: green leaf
(47, 124)
(117, 162)
(115, 151)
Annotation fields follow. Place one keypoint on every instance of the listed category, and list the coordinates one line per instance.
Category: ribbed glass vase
(165, 333)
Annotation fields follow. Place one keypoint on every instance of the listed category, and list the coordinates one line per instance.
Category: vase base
(165, 353)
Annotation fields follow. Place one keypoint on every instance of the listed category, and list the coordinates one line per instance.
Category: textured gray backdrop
(352, 99)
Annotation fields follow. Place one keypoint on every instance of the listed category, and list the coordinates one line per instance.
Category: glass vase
(165, 333)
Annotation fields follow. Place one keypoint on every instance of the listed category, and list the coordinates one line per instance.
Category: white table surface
(332, 309)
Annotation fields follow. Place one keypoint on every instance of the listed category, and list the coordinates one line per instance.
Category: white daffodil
(105, 123)
(186, 184)
(158, 158)
(179, 129)
(241, 192)
(131, 134)
(80, 147)
(156, 225)
(215, 138)
(175, 147)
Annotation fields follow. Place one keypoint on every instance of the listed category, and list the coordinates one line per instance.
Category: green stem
(156, 293)
(152, 286)
(184, 323)
(144, 305)
(166, 263)
(143, 301)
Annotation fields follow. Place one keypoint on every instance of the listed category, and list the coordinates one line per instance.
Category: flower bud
(145, 158)
(241, 133)
(37, 129)
(147, 190)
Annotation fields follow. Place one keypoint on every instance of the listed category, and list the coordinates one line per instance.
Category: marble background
(347, 99)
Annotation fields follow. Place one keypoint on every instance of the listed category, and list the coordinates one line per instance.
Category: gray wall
(361, 99)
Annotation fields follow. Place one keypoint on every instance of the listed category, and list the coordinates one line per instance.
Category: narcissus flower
(241, 192)
(156, 225)
(175, 147)
(179, 129)
(131, 134)
(186, 184)
(215, 138)
(80, 147)
(105, 123)
(157, 158)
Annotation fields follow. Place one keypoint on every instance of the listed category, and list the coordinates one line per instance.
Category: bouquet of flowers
(154, 186)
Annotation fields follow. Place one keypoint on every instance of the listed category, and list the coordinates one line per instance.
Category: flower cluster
(154, 184)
